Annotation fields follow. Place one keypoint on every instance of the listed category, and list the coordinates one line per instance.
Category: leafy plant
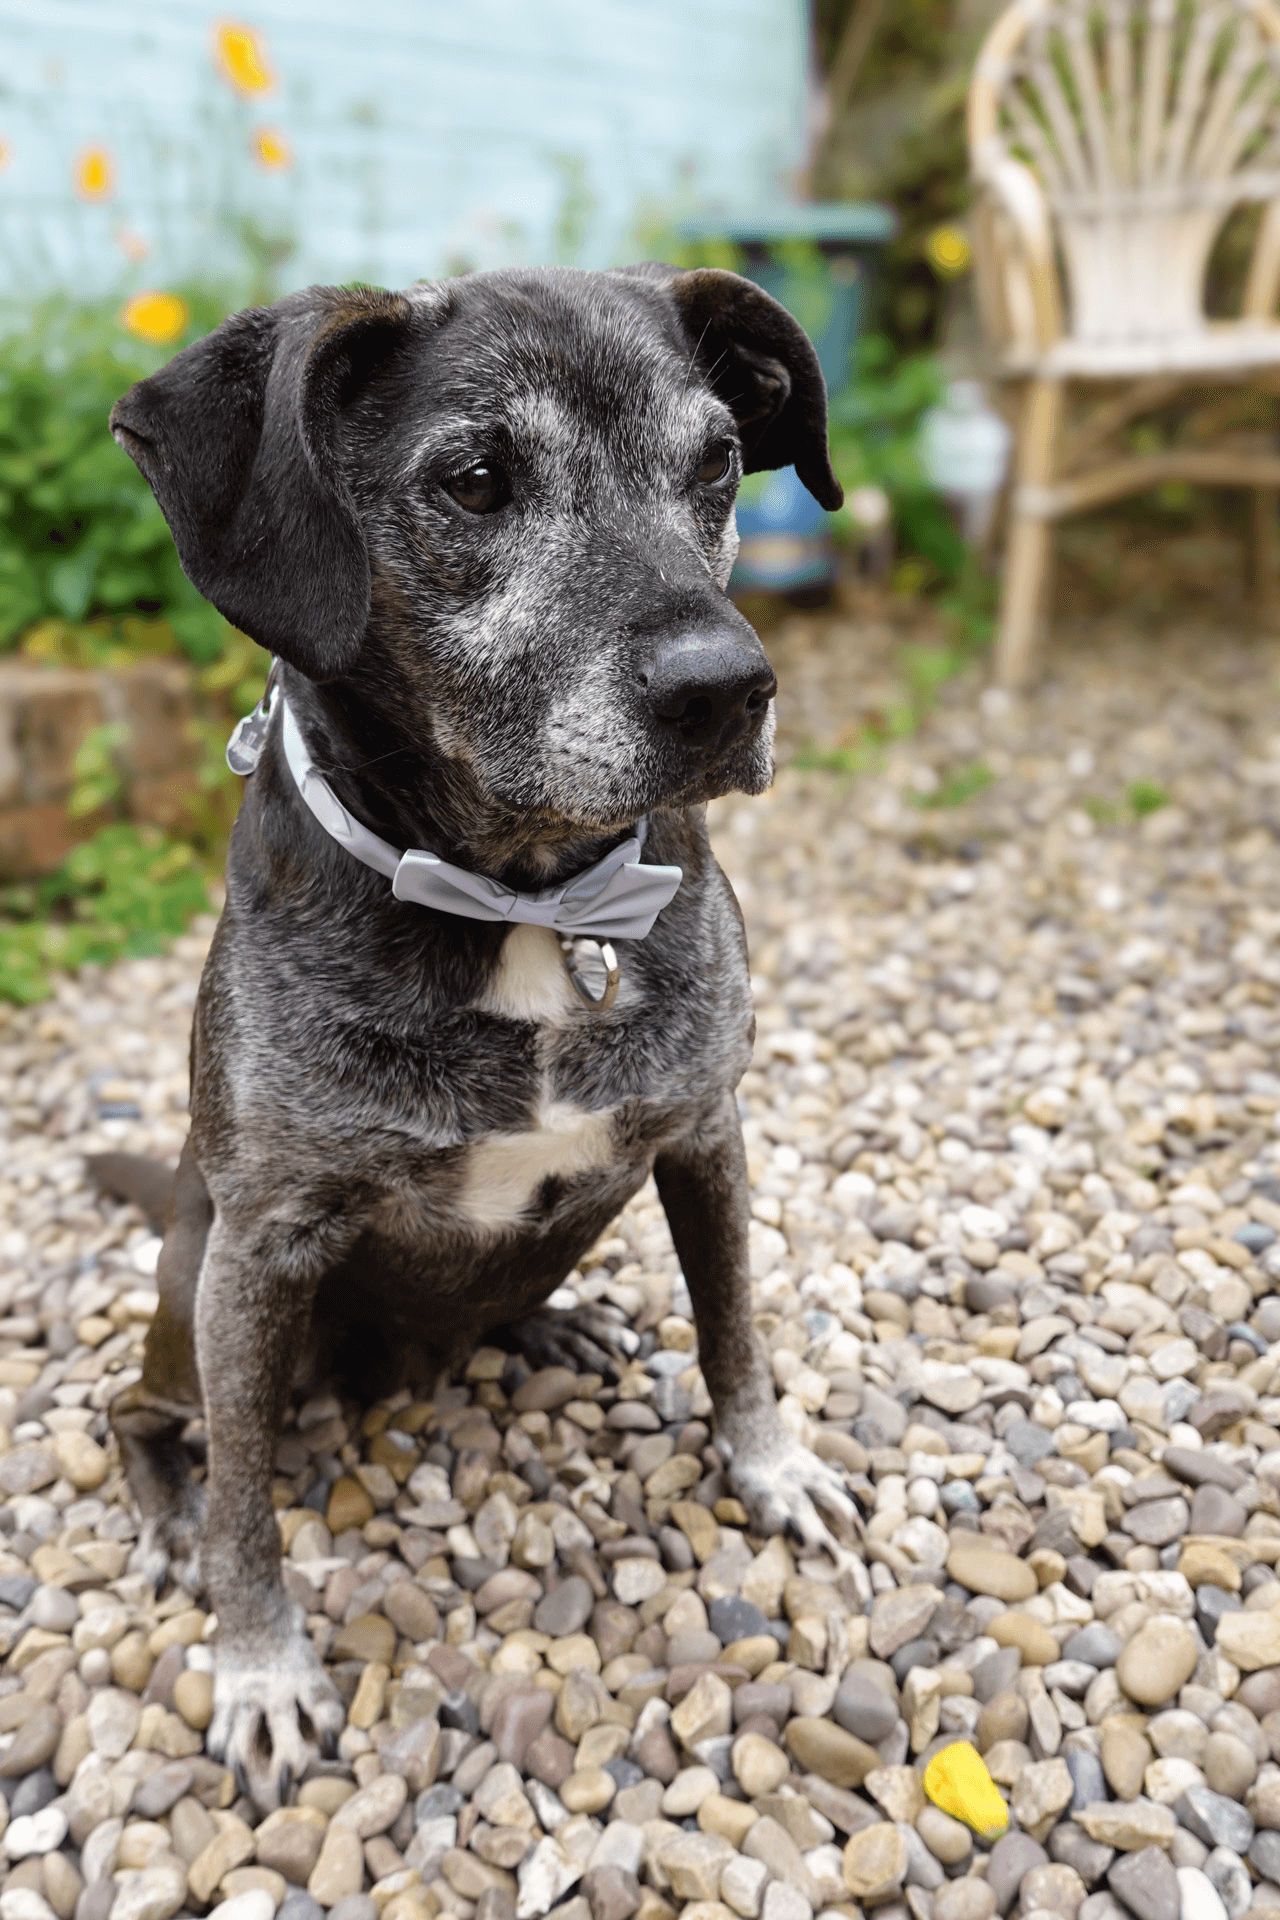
(81, 537)
(958, 787)
(875, 423)
(124, 892)
(1145, 797)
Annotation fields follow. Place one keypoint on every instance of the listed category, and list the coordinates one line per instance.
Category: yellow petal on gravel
(957, 1781)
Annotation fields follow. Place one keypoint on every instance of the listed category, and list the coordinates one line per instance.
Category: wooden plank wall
(424, 134)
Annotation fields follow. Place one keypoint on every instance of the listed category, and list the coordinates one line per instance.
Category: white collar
(616, 898)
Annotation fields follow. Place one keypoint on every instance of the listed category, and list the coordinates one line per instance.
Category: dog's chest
(505, 1173)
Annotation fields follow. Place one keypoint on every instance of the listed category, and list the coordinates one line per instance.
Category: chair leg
(1266, 561)
(1027, 550)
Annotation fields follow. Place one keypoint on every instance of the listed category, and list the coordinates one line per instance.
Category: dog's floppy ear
(235, 437)
(762, 365)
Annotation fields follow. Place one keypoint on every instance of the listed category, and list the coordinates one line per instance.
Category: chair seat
(1220, 347)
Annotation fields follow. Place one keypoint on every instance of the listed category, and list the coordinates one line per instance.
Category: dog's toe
(169, 1543)
(587, 1339)
(273, 1711)
(786, 1488)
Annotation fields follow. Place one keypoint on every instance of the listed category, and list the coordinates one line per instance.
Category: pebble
(989, 1570)
(1157, 1661)
(875, 1862)
(1011, 1860)
(864, 1708)
(1147, 1884)
(1199, 1898)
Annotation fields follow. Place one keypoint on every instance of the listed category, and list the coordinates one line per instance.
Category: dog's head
(498, 512)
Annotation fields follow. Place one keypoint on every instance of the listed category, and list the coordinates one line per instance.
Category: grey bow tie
(617, 898)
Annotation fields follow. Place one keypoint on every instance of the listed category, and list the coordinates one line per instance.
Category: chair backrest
(1144, 122)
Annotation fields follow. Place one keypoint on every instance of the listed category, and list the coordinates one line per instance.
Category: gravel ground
(1014, 1129)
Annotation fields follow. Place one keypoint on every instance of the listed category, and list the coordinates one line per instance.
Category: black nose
(709, 685)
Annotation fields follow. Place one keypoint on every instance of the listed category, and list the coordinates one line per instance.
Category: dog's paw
(784, 1488)
(169, 1543)
(274, 1710)
(586, 1339)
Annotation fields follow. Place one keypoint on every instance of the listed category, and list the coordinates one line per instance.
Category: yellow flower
(6, 154)
(957, 1781)
(271, 150)
(948, 251)
(95, 173)
(241, 53)
(156, 317)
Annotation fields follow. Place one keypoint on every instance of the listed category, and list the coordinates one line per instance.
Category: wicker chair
(1109, 140)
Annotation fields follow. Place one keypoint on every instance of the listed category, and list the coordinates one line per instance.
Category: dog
(485, 528)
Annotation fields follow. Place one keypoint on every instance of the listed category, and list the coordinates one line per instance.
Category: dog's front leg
(272, 1701)
(702, 1182)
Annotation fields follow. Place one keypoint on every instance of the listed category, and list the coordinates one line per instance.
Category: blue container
(815, 259)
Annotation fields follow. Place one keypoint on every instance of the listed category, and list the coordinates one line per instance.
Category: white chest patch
(531, 981)
(505, 1172)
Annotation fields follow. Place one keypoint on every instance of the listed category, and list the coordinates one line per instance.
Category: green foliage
(1145, 797)
(1142, 797)
(81, 537)
(875, 424)
(99, 782)
(124, 892)
(959, 787)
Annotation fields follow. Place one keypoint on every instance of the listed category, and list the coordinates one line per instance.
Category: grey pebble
(1095, 1644)
(296, 1905)
(1202, 1466)
(97, 1899)
(996, 1674)
(1214, 1510)
(1012, 1859)
(1230, 1876)
(33, 1792)
(1213, 1818)
(1028, 1443)
(1264, 1853)
(1147, 1884)
(1071, 1846)
(566, 1609)
(356, 1906)
(864, 1709)
(155, 1796)
(1088, 1782)
(732, 1618)
(1254, 1236)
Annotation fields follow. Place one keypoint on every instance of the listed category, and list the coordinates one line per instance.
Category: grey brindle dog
(485, 526)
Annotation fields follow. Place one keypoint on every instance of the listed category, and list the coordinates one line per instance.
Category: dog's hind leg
(148, 1418)
(586, 1338)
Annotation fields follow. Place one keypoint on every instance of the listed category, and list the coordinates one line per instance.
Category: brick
(165, 800)
(53, 709)
(154, 699)
(35, 840)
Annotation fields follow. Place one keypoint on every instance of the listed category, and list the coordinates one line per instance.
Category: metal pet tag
(592, 965)
(249, 737)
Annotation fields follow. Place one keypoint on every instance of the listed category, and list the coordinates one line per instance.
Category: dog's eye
(479, 489)
(716, 462)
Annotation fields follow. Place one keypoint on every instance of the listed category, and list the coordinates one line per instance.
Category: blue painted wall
(425, 133)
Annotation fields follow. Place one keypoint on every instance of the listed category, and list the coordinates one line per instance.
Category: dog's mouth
(690, 778)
